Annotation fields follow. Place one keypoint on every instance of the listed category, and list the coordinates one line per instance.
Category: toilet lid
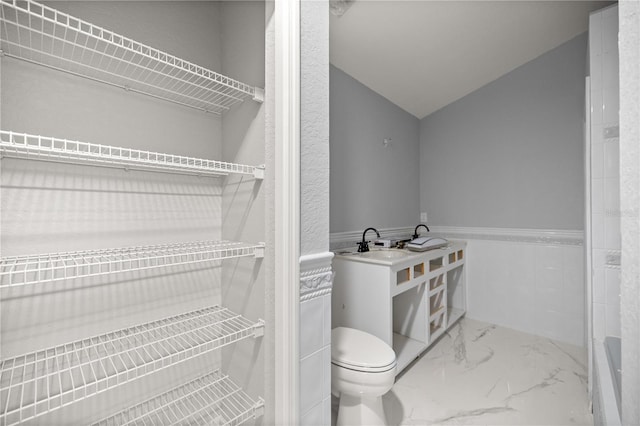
(357, 350)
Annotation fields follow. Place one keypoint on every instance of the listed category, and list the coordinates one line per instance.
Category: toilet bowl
(363, 368)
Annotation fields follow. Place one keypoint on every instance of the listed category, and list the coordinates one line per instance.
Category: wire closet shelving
(33, 147)
(212, 399)
(40, 382)
(42, 268)
(42, 35)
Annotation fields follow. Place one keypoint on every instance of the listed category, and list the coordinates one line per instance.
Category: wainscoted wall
(316, 278)
(603, 213)
(315, 259)
(605, 172)
(528, 280)
(528, 283)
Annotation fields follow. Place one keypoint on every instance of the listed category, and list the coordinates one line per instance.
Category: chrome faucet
(415, 231)
(363, 245)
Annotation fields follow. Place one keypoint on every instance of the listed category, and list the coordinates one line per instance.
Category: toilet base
(355, 410)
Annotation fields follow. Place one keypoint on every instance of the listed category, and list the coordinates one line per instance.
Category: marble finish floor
(482, 374)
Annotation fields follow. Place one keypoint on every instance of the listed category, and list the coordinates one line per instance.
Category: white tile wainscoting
(604, 167)
(525, 279)
(537, 288)
(316, 279)
(603, 218)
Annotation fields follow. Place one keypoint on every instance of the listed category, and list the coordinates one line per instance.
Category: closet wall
(54, 207)
(244, 199)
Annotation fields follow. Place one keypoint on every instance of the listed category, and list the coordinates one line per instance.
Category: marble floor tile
(482, 374)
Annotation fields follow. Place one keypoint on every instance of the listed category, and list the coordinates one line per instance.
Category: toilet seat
(356, 350)
(365, 369)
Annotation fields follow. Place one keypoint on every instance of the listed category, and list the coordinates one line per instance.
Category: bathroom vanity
(407, 299)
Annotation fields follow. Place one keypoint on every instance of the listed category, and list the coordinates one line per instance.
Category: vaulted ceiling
(423, 55)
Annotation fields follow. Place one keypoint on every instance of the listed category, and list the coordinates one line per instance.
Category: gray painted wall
(370, 184)
(510, 155)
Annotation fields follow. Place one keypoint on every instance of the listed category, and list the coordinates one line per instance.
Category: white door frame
(287, 211)
(588, 273)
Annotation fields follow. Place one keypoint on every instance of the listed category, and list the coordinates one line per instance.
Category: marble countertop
(394, 256)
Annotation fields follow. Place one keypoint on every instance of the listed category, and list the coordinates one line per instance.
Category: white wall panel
(531, 287)
(605, 171)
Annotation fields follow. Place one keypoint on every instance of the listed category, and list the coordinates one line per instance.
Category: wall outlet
(423, 217)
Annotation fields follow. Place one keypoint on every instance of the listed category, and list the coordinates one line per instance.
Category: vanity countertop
(394, 256)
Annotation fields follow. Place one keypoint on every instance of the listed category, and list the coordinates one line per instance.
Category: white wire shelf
(43, 268)
(23, 145)
(42, 35)
(40, 382)
(213, 399)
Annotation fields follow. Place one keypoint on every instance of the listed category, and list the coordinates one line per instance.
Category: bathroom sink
(384, 254)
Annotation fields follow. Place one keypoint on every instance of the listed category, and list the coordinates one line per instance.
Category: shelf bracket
(258, 172)
(258, 252)
(258, 95)
(258, 408)
(258, 329)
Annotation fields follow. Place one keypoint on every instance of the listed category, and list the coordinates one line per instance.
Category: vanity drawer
(436, 283)
(437, 324)
(437, 301)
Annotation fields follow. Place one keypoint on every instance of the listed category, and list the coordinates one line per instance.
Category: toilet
(363, 368)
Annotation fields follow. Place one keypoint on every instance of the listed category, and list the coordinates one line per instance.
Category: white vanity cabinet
(408, 300)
